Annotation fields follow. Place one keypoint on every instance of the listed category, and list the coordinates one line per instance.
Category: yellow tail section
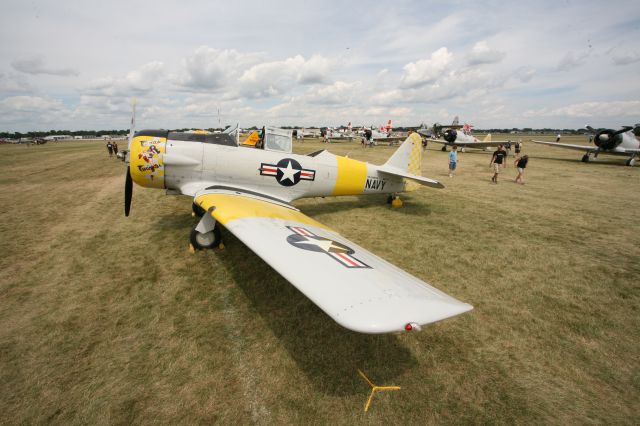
(252, 140)
(415, 162)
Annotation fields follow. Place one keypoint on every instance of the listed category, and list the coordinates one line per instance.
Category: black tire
(208, 240)
(444, 148)
(197, 210)
(389, 199)
(585, 158)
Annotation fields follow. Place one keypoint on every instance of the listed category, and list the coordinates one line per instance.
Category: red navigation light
(408, 327)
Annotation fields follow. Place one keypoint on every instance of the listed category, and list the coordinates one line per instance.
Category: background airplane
(609, 141)
(457, 135)
(384, 134)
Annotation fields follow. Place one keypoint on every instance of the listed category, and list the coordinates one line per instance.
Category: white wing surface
(356, 288)
(479, 144)
(568, 145)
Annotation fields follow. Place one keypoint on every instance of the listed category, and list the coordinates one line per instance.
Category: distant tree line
(17, 135)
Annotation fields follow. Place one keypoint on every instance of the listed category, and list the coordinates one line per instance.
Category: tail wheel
(205, 240)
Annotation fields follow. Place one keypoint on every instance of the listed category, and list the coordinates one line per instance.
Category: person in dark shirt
(498, 160)
(521, 164)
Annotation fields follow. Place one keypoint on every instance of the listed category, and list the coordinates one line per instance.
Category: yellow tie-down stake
(374, 389)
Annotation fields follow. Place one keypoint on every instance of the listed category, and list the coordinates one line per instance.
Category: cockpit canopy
(278, 140)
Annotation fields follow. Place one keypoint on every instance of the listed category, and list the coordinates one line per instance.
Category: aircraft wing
(567, 145)
(390, 139)
(356, 288)
(479, 144)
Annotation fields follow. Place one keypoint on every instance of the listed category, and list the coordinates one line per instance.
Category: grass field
(110, 320)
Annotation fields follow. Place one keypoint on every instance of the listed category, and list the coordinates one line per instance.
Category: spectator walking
(521, 164)
(453, 159)
(498, 160)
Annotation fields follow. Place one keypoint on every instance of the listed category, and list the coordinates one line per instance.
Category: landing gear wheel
(585, 158)
(389, 199)
(444, 148)
(631, 162)
(207, 240)
(197, 210)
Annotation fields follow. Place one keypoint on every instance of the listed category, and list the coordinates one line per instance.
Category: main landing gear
(206, 234)
(585, 158)
(631, 161)
(444, 148)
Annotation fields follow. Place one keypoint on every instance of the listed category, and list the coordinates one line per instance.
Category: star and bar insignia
(287, 172)
(304, 239)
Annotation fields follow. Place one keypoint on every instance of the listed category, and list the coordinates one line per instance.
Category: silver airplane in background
(608, 141)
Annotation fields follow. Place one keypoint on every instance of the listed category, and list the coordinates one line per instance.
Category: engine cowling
(146, 158)
(607, 139)
(450, 135)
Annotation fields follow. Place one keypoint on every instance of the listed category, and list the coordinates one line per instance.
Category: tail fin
(252, 139)
(456, 121)
(487, 138)
(389, 126)
(408, 158)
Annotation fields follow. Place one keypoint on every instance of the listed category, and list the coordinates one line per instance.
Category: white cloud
(44, 111)
(138, 81)
(425, 71)
(14, 83)
(626, 59)
(275, 78)
(570, 61)
(524, 74)
(591, 109)
(481, 53)
(35, 65)
(339, 92)
(209, 69)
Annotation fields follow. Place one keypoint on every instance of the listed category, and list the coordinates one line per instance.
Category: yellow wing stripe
(352, 175)
(233, 207)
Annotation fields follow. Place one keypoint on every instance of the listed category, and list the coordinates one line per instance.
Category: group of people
(498, 162)
(112, 148)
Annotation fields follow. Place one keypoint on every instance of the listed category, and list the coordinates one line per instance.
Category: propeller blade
(623, 130)
(128, 191)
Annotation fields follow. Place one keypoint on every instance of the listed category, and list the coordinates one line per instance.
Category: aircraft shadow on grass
(599, 160)
(412, 206)
(327, 353)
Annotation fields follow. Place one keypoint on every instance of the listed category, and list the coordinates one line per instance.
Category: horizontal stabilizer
(420, 179)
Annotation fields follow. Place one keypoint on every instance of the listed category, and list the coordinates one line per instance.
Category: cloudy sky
(76, 64)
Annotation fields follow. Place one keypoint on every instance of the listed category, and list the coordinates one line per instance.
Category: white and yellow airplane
(608, 141)
(249, 190)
